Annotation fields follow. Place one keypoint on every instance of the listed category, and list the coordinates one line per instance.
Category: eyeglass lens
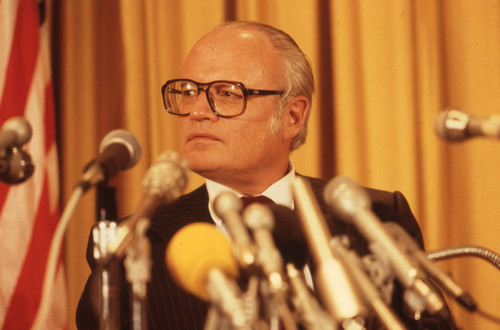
(225, 98)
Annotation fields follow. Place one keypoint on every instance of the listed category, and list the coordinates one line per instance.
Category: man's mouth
(201, 136)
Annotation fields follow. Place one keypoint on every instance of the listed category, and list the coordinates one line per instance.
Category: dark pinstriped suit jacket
(170, 307)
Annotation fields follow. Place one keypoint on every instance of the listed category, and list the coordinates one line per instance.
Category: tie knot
(247, 200)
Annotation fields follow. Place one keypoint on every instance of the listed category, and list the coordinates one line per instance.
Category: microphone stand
(104, 232)
(138, 265)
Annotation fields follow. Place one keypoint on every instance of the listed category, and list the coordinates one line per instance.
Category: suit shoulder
(198, 196)
(388, 206)
(381, 200)
(393, 206)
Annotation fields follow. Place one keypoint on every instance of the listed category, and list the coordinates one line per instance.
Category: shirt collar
(279, 192)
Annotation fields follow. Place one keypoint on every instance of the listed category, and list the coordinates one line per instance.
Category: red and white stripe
(29, 211)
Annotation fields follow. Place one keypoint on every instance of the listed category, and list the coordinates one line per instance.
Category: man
(242, 103)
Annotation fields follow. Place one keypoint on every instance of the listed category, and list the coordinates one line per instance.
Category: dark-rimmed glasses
(226, 98)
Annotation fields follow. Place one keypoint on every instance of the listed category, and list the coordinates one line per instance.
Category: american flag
(29, 211)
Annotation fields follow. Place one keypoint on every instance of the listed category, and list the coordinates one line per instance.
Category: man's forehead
(222, 39)
(244, 55)
(225, 44)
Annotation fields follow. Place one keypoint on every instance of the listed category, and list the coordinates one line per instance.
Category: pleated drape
(384, 69)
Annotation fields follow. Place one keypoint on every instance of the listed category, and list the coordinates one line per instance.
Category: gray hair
(297, 73)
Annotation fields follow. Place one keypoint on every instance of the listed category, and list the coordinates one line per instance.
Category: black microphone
(163, 183)
(15, 164)
(351, 203)
(457, 126)
(119, 150)
(288, 235)
(16, 131)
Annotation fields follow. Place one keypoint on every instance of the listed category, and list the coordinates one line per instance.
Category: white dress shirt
(279, 192)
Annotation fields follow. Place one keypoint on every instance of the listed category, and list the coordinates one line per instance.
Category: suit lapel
(189, 208)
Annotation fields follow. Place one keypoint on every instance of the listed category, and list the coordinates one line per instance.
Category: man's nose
(201, 108)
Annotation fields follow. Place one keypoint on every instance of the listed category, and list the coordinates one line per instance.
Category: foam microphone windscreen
(195, 250)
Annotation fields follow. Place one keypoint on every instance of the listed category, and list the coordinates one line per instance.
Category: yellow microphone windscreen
(193, 251)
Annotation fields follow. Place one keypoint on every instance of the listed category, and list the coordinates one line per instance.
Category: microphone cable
(129, 142)
(466, 251)
(470, 251)
(53, 257)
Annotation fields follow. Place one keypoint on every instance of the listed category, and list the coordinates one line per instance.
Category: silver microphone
(440, 277)
(228, 207)
(457, 126)
(164, 182)
(351, 203)
(260, 220)
(368, 290)
(119, 150)
(16, 131)
(330, 277)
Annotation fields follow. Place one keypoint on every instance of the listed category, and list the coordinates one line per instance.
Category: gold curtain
(383, 69)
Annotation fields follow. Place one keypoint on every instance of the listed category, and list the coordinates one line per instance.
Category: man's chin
(203, 167)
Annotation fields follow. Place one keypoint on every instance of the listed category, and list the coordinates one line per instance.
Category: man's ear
(295, 115)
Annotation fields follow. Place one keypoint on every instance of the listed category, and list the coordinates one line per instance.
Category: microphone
(16, 131)
(351, 203)
(288, 236)
(367, 289)
(228, 207)
(260, 220)
(330, 277)
(163, 183)
(431, 269)
(200, 260)
(286, 241)
(119, 150)
(457, 126)
(309, 312)
(15, 164)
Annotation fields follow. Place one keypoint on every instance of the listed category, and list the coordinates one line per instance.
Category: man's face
(240, 150)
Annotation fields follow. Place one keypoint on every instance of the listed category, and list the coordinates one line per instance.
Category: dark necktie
(247, 200)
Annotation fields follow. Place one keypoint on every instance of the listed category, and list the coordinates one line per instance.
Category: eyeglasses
(226, 98)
